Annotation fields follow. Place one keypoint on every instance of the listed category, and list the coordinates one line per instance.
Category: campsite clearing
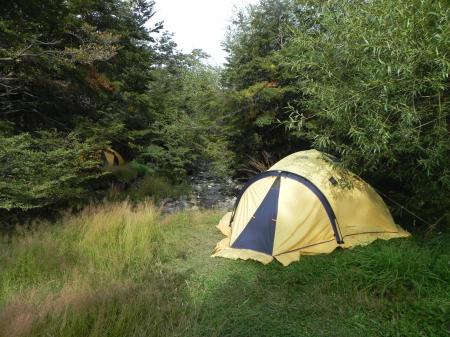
(114, 270)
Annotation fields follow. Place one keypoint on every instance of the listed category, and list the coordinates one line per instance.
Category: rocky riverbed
(207, 192)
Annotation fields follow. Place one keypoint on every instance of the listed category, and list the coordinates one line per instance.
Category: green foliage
(124, 174)
(258, 92)
(64, 67)
(158, 188)
(66, 72)
(118, 270)
(189, 128)
(375, 80)
(364, 81)
(45, 170)
(93, 71)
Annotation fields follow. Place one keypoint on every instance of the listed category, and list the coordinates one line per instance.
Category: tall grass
(123, 270)
(92, 274)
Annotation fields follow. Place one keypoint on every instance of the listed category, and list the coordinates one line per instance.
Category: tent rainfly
(303, 205)
(113, 158)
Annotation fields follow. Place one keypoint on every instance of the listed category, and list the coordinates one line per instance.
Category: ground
(118, 270)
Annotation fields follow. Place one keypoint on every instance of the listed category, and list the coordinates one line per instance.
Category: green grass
(115, 270)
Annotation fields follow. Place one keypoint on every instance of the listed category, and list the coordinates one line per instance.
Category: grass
(118, 270)
(152, 186)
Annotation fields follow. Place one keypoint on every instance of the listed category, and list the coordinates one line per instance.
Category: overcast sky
(199, 23)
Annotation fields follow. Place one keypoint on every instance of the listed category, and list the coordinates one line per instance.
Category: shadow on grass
(155, 278)
(394, 288)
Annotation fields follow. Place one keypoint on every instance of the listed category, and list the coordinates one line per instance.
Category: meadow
(121, 270)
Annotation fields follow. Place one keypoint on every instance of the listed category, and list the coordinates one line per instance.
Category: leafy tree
(61, 62)
(77, 76)
(72, 77)
(258, 92)
(39, 171)
(45, 171)
(366, 81)
(374, 75)
(190, 127)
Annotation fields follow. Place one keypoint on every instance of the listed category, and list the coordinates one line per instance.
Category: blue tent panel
(259, 233)
(303, 181)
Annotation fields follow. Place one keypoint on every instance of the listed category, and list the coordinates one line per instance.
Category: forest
(81, 76)
(366, 82)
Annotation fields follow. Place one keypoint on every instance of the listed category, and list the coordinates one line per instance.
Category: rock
(207, 192)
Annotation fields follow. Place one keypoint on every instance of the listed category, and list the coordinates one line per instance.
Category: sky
(199, 23)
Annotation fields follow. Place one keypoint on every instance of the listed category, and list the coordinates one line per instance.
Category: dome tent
(303, 205)
(113, 158)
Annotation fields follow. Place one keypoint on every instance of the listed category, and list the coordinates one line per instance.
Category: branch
(21, 53)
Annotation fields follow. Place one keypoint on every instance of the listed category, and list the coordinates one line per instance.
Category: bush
(45, 169)
(374, 75)
(158, 188)
(124, 174)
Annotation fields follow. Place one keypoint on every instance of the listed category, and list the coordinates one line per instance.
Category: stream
(208, 192)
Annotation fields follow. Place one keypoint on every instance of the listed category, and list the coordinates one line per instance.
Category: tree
(78, 76)
(70, 65)
(259, 92)
(376, 91)
(73, 76)
(190, 127)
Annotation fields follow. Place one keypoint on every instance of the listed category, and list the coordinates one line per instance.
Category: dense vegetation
(118, 271)
(365, 81)
(78, 77)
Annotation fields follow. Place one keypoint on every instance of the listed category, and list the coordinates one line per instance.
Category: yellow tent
(113, 158)
(303, 205)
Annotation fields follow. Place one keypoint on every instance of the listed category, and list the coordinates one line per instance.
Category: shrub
(45, 169)
(158, 188)
(374, 75)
